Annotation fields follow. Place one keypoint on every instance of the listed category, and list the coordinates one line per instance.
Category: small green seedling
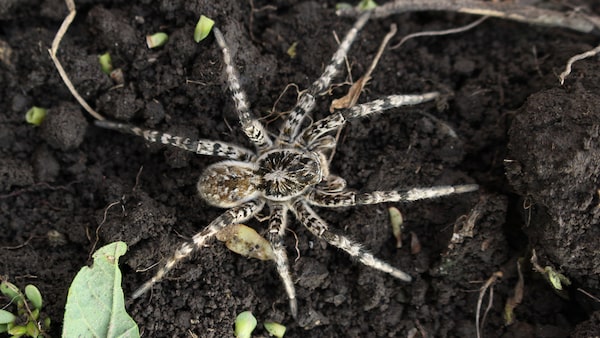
(203, 28)
(28, 320)
(245, 323)
(396, 221)
(555, 278)
(275, 329)
(156, 40)
(105, 63)
(35, 115)
(366, 5)
(292, 50)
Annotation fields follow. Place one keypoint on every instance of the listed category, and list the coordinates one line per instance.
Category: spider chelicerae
(287, 173)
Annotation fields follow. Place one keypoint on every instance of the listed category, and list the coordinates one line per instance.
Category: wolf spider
(288, 173)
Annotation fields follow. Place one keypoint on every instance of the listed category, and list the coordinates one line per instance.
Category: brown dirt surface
(507, 124)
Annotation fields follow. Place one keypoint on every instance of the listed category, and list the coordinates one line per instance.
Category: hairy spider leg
(306, 101)
(255, 131)
(319, 228)
(200, 146)
(338, 119)
(277, 226)
(351, 198)
(232, 216)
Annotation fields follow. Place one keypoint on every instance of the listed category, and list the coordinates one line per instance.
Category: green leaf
(556, 279)
(275, 329)
(6, 317)
(11, 291)
(17, 331)
(366, 5)
(35, 115)
(245, 323)
(95, 303)
(156, 39)
(105, 63)
(32, 329)
(34, 296)
(203, 27)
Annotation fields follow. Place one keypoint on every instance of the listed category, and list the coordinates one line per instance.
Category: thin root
(574, 59)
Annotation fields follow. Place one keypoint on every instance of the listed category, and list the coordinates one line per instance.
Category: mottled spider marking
(288, 173)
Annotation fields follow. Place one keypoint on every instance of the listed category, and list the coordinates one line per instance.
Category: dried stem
(504, 10)
(55, 44)
(442, 32)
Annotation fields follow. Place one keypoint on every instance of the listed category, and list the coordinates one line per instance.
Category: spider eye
(227, 184)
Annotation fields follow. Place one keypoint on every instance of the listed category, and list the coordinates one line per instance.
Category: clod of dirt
(154, 112)
(589, 328)
(64, 127)
(119, 104)
(45, 165)
(14, 172)
(115, 30)
(475, 246)
(554, 163)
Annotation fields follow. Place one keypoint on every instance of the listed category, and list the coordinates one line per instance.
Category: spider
(287, 173)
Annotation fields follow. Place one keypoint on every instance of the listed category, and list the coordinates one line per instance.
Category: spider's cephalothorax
(289, 173)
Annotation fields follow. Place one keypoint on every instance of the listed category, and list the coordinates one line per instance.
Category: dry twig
(505, 10)
(63, 74)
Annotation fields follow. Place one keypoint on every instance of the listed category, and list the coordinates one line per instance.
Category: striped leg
(339, 118)
(202, 146)
(231, 216)
(351, 198)
(319, 228)
(255, 131)
(277, 226)
(332, 184)
(306, 101)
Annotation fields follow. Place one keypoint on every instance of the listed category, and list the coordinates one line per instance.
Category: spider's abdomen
(229, 183)
(288, 173)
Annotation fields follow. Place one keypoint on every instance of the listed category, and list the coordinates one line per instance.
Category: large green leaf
(95, 304)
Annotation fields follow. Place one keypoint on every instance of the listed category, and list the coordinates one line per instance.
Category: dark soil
(510, 115)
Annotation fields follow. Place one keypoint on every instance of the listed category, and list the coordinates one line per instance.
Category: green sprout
(35, 115)
(275, 329)
(555, 278)
(156, 40)
(245, 323)
(292, 50)
(203, 27)
(396, 220)
(105, 63)
(366, 5)
(28, 320)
